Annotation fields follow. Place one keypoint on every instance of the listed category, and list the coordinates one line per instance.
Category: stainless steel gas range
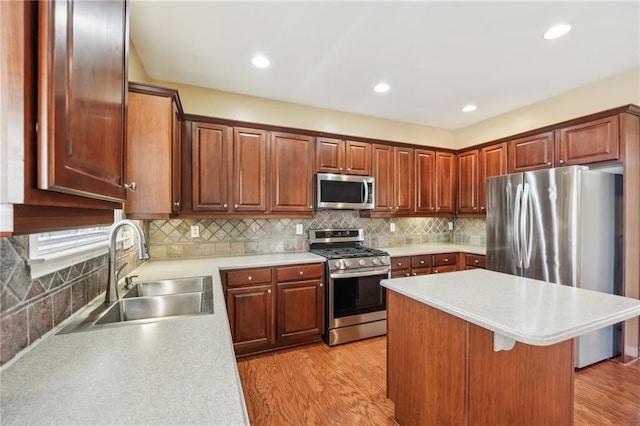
(356, 303)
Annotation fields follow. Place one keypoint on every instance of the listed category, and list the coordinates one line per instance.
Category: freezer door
(503, 210)
(549, 224)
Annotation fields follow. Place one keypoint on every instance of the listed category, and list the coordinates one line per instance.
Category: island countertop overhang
(522, 309)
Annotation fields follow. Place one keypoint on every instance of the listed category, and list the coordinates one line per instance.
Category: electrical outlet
(392, 227)
(195, 231)
(299, 229)
(450, 226)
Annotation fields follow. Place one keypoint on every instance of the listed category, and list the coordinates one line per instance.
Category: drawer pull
(320, 284)
(249, 277)
(408, 275)
(475, 261)
(269, 291)
(422, 262)
(446, 259)
(399, 263)
(301, 273)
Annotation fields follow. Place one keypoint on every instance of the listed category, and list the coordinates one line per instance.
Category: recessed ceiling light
(260, 61)
(556, 31)
(381, 87)
(469, 108)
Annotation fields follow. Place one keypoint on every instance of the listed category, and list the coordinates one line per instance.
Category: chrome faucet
(143, 253)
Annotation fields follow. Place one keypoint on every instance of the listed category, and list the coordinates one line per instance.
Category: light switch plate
(392, 227)
(299, 229)
(195, 231)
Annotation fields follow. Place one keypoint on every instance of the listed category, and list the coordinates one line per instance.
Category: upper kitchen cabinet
(250, 175)
(425, 178)
(531, 152)
(61, 90)
(393, 172)
(382, 168)
(588, 142)
(343, 157)
(474, 167)
(292, 165)
(153, 138)
(82, 81)
(404, 183)
(445, 182)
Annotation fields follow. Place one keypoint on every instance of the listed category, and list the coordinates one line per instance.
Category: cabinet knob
(339, 168)
(390, 208)
(269, 291)
(561, 161)
(321, 285)
(249, 278)
(446, 259)
(422, 262)
(348, 169)
(431, 208)
(311, 207)
(482, 208)
(414, 274)
(549, 163)
(235, 206)
(475, 208)
(435, 271)
(176, 204)
(399, 264)
(475, 261)
(408, 275)
(224, 205)
(301, 273)
(130, 186)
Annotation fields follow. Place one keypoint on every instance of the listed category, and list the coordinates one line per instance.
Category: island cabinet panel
(82, 81)
(531, 153)
(468, 182)
(492, 162)
(444, 370)
(543, 371)
(292, 164)
(153, 137)
(425, 181)
(589, 142)
(249, 177)
(426, 356)
(343, 157)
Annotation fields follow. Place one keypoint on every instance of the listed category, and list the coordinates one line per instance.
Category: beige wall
(608, 93)
(604, 94)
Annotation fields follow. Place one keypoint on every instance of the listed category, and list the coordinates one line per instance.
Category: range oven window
(358, 295)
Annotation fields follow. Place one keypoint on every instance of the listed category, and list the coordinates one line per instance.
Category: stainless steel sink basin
(150, 301)
(170, 286)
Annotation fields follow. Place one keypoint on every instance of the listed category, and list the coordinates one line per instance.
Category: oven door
(357, 297)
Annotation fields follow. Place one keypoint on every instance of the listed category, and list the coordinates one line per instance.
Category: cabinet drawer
(248, 276)
(445, 268)
(421, 261)
(475, 261)
(421, 271)
(445, 259)
(400, 263)
(299, 272)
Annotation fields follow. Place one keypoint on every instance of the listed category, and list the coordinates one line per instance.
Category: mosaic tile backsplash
(29, 308)
(172, 238)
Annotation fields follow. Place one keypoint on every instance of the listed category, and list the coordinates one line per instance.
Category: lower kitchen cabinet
(272, 308)
(473, 261)
(407, 266)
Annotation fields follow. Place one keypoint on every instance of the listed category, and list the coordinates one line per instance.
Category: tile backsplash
(227, 237)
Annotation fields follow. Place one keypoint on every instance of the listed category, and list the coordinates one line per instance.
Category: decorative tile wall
(470, 231)
(29, 308)
(171, 238)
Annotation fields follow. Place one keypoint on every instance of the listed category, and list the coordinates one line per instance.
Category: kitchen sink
(149, 301)
(170, 286)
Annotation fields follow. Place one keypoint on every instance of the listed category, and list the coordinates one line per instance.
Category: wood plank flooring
(346, 385)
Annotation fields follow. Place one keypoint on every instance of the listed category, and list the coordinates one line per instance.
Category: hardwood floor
(346, 385)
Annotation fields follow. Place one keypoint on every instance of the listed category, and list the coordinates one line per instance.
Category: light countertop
(525, 310)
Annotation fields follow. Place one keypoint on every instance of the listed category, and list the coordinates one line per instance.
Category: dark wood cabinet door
(249, 170)
(153, 138)
(531, 153)
(251, 317)
(382, 167)
(404, 185)
(357, 158)
(468, 182)
(493, 162)
(300, 311)
(82, 81)
(292, 168)
(330, 155)
(211, 152)
(589, 142)
(425, 180)
(445, 182)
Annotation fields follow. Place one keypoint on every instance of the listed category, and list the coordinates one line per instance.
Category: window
(53, 251)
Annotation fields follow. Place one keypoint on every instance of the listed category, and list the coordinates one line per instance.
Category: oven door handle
(359, 274)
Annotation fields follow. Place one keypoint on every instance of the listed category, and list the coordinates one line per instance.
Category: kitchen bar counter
(480, 347)
(177, 371)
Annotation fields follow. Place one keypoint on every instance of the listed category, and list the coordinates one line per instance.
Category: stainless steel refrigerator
(562, 226)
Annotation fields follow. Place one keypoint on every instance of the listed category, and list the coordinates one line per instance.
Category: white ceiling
(436, 56)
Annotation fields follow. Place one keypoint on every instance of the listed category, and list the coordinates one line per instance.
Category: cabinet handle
(224, 205)
(176, 204)
(561, 161)
(249, 278)
(130, 186)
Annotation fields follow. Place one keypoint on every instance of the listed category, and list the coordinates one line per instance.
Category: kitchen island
(481, 347)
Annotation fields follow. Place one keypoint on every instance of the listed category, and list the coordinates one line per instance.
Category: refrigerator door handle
(527, 235)
(516, 226)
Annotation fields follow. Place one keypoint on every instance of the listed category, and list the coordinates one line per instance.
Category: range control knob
(347, 264)
(375, 261)
(362, 262)
(336, 264)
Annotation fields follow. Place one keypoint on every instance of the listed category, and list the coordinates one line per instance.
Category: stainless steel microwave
(344, 192)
